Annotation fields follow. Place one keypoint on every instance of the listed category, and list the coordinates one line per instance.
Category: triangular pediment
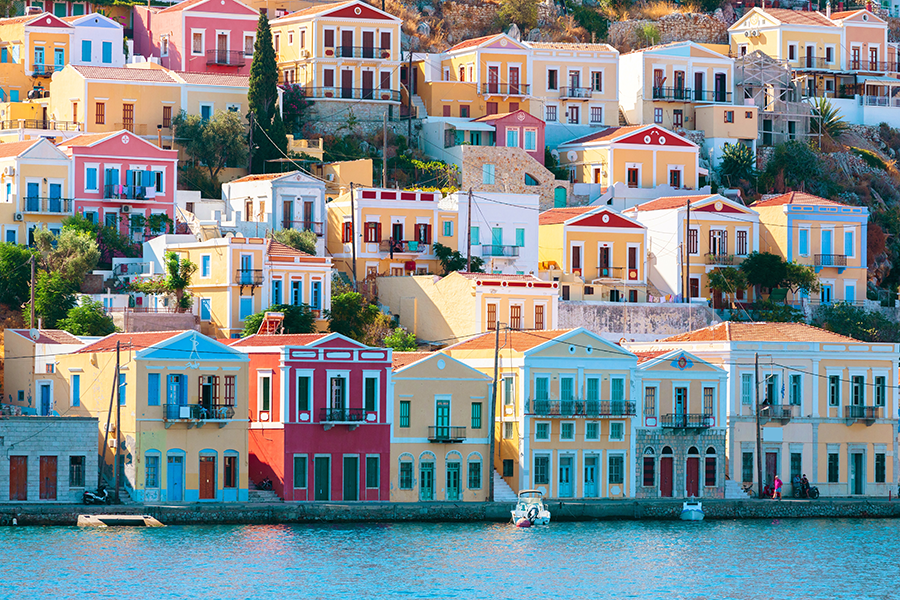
(191, 347)
(44, 150)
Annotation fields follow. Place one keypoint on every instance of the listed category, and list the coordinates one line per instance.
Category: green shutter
(302, 393)
(371, 394)
(404, 413)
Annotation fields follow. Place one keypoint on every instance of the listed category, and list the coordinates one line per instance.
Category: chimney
(828, 9)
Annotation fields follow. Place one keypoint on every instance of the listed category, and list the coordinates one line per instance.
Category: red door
(692, 476)
(513, 81)
(771, 466)
(207, 478)
(18, 478)
(493, 79)
(48, 478)
(665, 477)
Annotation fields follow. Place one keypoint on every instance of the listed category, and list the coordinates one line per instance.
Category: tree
(213, 143)
(764, 269)
(54, 295)
(827, 120)
(351, 315)
(401, 341)
(178, 277)
(88, 318)
(856, 322)
(794, 165)
(304, 241)
(738, 164)
(15, 275)
(73, 253)
(111, 242)
(295, 107)
(800, 277)
(262, 97)
(727, 280)
(297, 319)
(524, 13)
(453, 260)
(773, 312)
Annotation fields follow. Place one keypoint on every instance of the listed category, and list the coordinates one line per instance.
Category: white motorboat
(692, 510)
(530, 509)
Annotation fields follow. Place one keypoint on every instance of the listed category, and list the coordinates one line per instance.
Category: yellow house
(603, 251)
(36, 187)
(237, 277)
(39, 43)
(442, 310)
(686, 244)
(565, 413)
(440, 438)
(827, 235)
(183, 430)
(395, 231)
(30, 375)
(827, 404)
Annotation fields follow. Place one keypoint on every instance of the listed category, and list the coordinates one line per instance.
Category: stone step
(502, 491)
(263, 496)
(734, 490)
(623, 122)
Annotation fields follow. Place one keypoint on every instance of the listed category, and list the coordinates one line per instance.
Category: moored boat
(692, 510)
(530, 508)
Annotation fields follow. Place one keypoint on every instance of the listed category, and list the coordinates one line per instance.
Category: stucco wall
(511, 165)
(131, 322)
(615, 320)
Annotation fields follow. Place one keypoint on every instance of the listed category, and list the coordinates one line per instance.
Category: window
(249, 41)
(476, 235)
(153, 389)
(675, 178)
(565, 388)
(849, 246)
(650, 402)
(552, 79)
(567, 431)
(197, 43)
(371, 391)
(404, 413)
(550, 114)
(76, 390)
(86, 51)
(151, 471)
(474, 474)
(491, 317)
(539, 317)
(229, 390)
(649, 478)
(347, 232)
(597, 81)
(803, 242)
(880, 391)
(301, 472)
(509, 467)
(122, 392)
(512, 137)
(593, 389)
(858, 390)
(792, 51)
(657, 115)
(303, 390)
(464, 111)
(746, 466)
(541, 388)
(542, 431)
(693, 241)
(834, 390)
(167, 117)
(515, 317)
(290, 38)
(879, 467)
(708, 398)
(164, 45)
(265, 393)
(833, 467)
(829, 54)
(508, 430)
(616, 470)
(205, 262)
(476, 415)
(572, 111)
(99, 114)
(796, 465)
(246, 308)
(206, 111)
(616, 431)
(592, 430)
(230, 471)
(491, 108)
(76, 471)
(541, 470)
(406, 474)
(508, 391)
(487, 174)
(107, 53)
(633, 176)
(596, 114)
(741, 244)
(531, 140)
(729, 116)
(373, 473)
(796, 394)
(617, 389)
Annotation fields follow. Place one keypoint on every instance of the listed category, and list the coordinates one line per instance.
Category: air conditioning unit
(18, 217)
(754, 33)
(9, 171)
(126, 208)
(304, 53)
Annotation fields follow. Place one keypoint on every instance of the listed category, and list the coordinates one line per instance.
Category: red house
(518, 129)
(319, 420)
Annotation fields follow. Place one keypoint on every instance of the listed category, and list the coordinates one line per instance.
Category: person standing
(777, 485)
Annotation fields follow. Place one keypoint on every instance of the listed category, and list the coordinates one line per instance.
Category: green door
(559, 197)
(351, 478)
(442, 420)
(426, 481)
(453, 481)
(322, 478)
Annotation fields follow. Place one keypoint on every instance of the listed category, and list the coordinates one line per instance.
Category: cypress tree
(262, 97)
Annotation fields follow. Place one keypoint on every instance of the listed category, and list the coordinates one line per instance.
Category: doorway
(222, 48)
(322, 477)
(368, 84)
(771, 467)
(857, 473)
(442, 420)
(692, 473)
(18, 478)
(207, 477)
(45, 399)
(565, 477)
(48, 478)
(346, 83)
(590, 476)
(666, 467)
(175, 478)
(351, 478)
(453, 481)
(426, 481)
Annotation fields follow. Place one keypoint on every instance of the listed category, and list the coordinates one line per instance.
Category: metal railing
(248, 276)
(446, 434)
(815, 62)
(414, 246)
(580, 408)
(831, 260)
(720, 259)
(198, 412)
(42, 124)
(506, 89)
(316, 227)
(46, 70)
(686, 421)
(862, 413)
(495, 250)
(229, 58)
(777, 412)
(610, 272)
(359, 52)
(576, 92)
(881, 66)
(686, 94)
(352, 93)
(341, 415)
(40, 204)
(129, 192)
(879, 101)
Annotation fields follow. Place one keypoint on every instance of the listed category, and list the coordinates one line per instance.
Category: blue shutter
(86, 51)
(107, 52)
(91, 179)
(76, 390)
(121, 390)
(153, 389)
(4, 55)
(205, 312)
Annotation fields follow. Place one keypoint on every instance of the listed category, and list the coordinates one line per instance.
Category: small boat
(530, 509)
(692, 510)
(104, 520)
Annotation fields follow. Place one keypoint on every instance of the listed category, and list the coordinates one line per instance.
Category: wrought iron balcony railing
(198, 412)
(581, 408)
(341, 415)
(576, 92)
(40, 204)
(831, 260)
(777, 412)
(248, 276)
(686, 421)
(816, 62)
(359, 52)
(862, 413)
(352, 93)
(719, 259)
(495, 250)
(409, 246)
(505, 89)
(439, 433)
(46, 70)
(228, 58)
(874, 66)
(316, 227)
(129, 192)
(685, 94)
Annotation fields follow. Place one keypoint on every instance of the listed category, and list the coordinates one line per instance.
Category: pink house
(518, 129)
(197, 35)
(122, 179)
(319, 416)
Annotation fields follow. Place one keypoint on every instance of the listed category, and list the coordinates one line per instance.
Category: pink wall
(521, 120)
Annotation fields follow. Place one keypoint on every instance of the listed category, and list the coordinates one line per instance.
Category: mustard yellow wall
(550, 244)
(711, 120)
(773, 232)
(619, 258)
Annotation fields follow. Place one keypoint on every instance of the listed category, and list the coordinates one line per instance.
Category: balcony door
(308, 215)
(679, 85)
(453, 471)
(698, 86)
(347, 43)
(287, 214)
(368, 84)
(246, 269)
(857, 473)
(590, 477)
(368, 44)
(45, 399)
(827, 243)
(720, 87)
(604, 262)
(222, 48)
(322, 477)
(513, 80)
(346, 83)
(493, 79)
(38, 60)
(397, 232)
(565, 477)
(574, 82)
(337, 397)
(426, 481)
(351, 478)
(442, 419)
(32, 198)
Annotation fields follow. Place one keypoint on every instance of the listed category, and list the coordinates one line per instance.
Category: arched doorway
(666, 472)
(692, 473)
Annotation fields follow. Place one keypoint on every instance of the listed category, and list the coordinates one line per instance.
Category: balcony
(41, 124)
(316, 227)
(129, 192)
(251, 277)
(227, 58)
(781, 413)
(197, 414)
(683, 94)
(879, 101)
(831, 260)
(403, 246)
(48, 206)
(575, 93)
(352, 93)
(46, 70)
(580, 408)
(815, 62)
(358, 52)
(720, 259)
(874, 66)
(862, 414)
(330, 417)
(446, 435)
(686, 421)
(505, 89)
(500, 251)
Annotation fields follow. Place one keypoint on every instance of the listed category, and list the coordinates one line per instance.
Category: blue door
(246, 269)
(827, 241)
(55, 198)
(33, 197)
(565, 477)
(38, 60)
(175, 479)
(45, 400)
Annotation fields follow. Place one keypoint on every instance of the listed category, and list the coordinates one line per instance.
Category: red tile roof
(760, 332)
(797, 198)
(50, 336)
(222, 79)
(145, 75)
(23, 19)
(609, 133)
(129, 341)
(274, 248)
(284, 339)
(570, 46)
(473, 42)
(837, 16)
(554, 216)
(16, 148)
(401, 359)
(86, 139)
(648, 355)
(181, 6)
(799, 17)
(312, 10)
(669, 202)
(518, 341)
(260, 177)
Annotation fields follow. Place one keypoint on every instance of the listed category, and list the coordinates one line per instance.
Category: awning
(880, 80)
(467, 125)
(703, 171)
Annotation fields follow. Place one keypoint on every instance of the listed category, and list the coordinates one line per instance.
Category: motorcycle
(802, 489)
(265, 484)
(101, 496)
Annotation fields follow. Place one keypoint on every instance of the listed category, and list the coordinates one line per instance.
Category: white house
(97, 41)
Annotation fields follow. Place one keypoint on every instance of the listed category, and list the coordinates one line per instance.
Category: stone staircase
(419, 104)
(623, 122)
(502, 491)
(263, 497)
(734, 490)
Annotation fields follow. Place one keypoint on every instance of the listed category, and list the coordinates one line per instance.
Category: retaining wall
(635, 321)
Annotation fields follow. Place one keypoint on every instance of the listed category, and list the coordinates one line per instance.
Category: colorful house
(503, 130)
(41, 43)
(810, 230)
(565, 413)
(59, 8)
(183, 434)
(827, 403)
(98, 40)
(721, 233)
(320, 414)
(197, 35)
(595, 253)
(440, 442)
(237, 277)
(442, 310)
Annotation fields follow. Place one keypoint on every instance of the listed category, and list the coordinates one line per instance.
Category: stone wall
(680, 442)
(511, 165)
(468, 20)
(635, 321)
(345, 117)
(135, 322)
(674, 27)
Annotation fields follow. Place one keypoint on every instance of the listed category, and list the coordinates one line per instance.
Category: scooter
(265, 484)
(804, 490)
(101, 496)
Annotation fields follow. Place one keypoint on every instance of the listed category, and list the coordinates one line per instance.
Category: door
(346, 84)
(692, 476)
(496, 240)
(45, 400)
(453, 481)
(493, 79)
(55, 201)
(565, 292)
(287, 214)
(574, 83)
(175, 478)
(604, 262)
(665, 476)
(857, 473)
(680, 406)
(246, 267)
(679, 85)
(33, 196)
(38, 60)
(565, 477)
(368, 79)
(18, 478)
(720, 87)
(59, 59)
(576, 258)
(513, 81)
(222, 49)
(368, 44)
(322, 477)
(559, 197)
(827, 244)
(308, 216)
(698, 86)
(207, 477)
(442, 420)
(426, 481)
(771, 467)
(347, 43)
(48, 478)
(351, 478)
(590, 477)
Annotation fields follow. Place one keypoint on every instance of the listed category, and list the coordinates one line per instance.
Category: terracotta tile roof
(609, 133)
(401, 359)
(50, 336)
(222, 79)
(85, 140)
(16, 148)
(499, 277)
(473, 42)
(555, 216)
(567, 46)
(668, 202)
(760, 332)
(285, 339)
(23, 19)
(259, 177)
(312, 10)
(649, 355)
(836, 16)
(132, 341)
(125, 74)
(181, 6)
(658, 47)
(275, 248)
(518, 341)
(493, 117)
(797, 198)
(799, 17)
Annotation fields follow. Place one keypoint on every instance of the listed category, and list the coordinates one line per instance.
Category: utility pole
(32, 322)
(250, 152)
(384, 153)
(469, 235)
(118, 397)
(105, 443)
(353, 235)
(687, 255)
(758, 432)
(493, 410)
(409, 93)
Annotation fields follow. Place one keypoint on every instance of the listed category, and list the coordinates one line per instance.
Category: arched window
(667, 450)
(407, 464)
(649, 479)
(473, 471)
(693, 450)
(710, 474)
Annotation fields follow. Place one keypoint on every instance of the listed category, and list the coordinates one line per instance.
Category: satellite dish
(555, 154)
(572, 155)
(35, 334)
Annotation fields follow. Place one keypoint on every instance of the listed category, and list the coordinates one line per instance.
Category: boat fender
(523, 522)
(532, 514)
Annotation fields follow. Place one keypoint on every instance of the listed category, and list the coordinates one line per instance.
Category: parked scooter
(101, 496)
(265, 484)
(802, 489)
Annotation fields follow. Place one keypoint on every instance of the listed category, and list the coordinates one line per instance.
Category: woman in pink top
(777, 486)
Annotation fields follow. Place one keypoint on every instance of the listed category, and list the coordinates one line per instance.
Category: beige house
(31, 381)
